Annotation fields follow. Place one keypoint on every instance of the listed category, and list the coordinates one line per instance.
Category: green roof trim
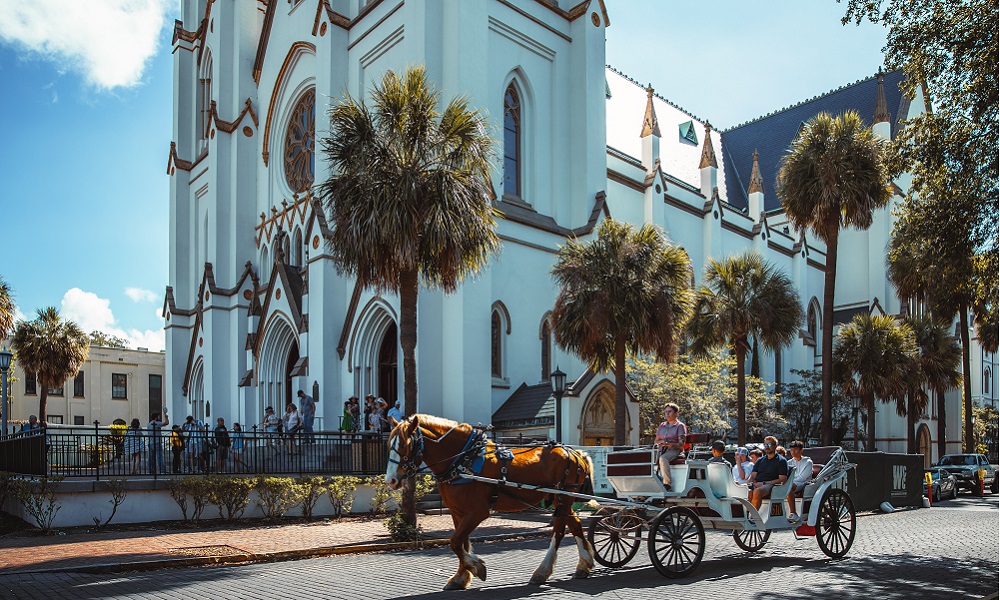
(688, 132)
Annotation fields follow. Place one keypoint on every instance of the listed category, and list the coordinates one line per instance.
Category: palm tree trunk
(43, 400)
(942, 425)
(970, 439)
(829, 283)
(911, 422)
(408, 286)
(620, 407)
(741, 394)
(870, 407)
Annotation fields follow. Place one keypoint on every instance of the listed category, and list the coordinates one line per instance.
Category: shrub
(230, 494)
(423, 484)
(39, 500)
(119, 490)
(8, 481)
(341, 490)
(312, 489)
(194, 489)
(178, 492)
(400, 530)
(277, 495)
(380, 500)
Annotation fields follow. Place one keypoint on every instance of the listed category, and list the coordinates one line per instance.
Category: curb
(285, 555)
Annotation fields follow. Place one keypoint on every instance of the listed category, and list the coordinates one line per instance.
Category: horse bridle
(412, 463)
(411, 466)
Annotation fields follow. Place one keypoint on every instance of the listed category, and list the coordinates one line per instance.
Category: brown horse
(448, 449)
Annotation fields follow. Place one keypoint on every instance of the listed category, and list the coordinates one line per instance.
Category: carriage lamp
(558, 379)
(5, 358)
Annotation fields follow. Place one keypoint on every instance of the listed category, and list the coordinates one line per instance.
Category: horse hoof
(537, 580)
(581, 574)
(481, 571)
(454, 585)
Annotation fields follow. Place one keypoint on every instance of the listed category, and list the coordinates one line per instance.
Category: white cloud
(140, 295)
(108, 41)
(18, 315)
(91, 312)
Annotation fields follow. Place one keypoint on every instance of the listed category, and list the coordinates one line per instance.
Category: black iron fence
(108, 452)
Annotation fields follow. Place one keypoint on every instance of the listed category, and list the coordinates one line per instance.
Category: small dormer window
(688, 133)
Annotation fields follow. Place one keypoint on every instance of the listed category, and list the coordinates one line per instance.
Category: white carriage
(703, 495)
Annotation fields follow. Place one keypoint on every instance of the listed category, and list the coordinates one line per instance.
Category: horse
(448, 449)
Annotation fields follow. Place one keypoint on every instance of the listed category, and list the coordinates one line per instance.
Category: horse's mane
(436, 423)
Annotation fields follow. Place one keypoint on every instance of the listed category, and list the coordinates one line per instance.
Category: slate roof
(528, 405)
(771, 135)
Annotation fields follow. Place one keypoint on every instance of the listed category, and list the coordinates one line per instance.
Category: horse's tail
(588, 483)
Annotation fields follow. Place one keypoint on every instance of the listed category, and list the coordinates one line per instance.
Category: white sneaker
(793, 518)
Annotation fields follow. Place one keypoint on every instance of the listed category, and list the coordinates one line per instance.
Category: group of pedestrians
(759, 470)
(194, 448)
(294, 423)
(377, 417)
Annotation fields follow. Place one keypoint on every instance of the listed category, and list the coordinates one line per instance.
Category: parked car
(943, 484)
(965, 467)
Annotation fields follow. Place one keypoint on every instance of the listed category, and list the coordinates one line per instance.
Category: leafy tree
(987, 294)
(833, 176)
(744, 297)
(51, 347)
(801, 403)
(872, 358)
(100, 338)
(626, 292)
(700, 385)
(409, 200)
(762, 414)
(938, 367)
(7, 309)
(985, 429)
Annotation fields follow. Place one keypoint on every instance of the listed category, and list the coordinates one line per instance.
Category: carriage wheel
(676, 542)
(836, 524)
(751, 540)
(615, 538)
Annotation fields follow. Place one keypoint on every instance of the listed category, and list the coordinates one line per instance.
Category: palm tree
(940, 364)
(744, 297)
(833, 176)
(627, 291)
(7, 309)
(874, 356)
(52, 348)
(409, 199)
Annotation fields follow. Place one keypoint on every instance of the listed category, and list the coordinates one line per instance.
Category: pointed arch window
(499, 330)
(300, 144)
(512, 142)
(546, 335)
(204, 101)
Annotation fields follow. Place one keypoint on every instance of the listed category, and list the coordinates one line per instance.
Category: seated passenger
(803, 466)
(670, 438)
(782, 452)
(740, 471)
(769, 470)
(718, 449)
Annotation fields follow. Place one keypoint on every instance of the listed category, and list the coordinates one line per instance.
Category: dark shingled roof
(528, 405)
(772, 134)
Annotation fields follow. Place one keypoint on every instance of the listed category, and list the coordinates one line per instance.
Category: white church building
(255, 310)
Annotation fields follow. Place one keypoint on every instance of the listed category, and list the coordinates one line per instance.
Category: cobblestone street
(949, 551)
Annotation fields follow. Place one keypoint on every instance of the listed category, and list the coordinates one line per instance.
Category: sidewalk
(142, 550)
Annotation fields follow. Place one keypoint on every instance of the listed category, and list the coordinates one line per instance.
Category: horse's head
(406, 446)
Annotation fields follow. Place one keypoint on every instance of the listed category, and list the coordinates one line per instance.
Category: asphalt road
(949, 551)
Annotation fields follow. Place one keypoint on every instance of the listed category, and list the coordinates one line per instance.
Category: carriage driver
(769, 470)
(670, 438)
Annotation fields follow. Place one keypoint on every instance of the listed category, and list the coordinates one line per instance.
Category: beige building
(114, 383)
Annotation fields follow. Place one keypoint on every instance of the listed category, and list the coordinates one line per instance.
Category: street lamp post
(5, 358)
(558, 380)
(856, 405)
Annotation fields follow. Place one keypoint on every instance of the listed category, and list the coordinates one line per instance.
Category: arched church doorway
(388, 375)
(924, 444)
(293, 357)
(597, 422)
(196, 392)
(278, 354)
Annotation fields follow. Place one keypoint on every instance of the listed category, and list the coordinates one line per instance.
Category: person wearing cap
(769, 470)
(670, 438)
(739, 470)
(307, 409)
(395, 413)
(803, 467)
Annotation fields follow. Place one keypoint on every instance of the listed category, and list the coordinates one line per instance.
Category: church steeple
(755, 193)
(707, 151)
(650, 126)
(756, 181)
(881, 110)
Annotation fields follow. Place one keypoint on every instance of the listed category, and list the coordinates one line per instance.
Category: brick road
(950, 551)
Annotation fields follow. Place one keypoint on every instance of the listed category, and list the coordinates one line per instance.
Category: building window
(78, 385)
(812, 326)
(204, 102)
(155, 393)
(300, 146)
(496, 349)
(119, 386)
(56, 391)
(78, 420)
(511, 142)
(546, 335)
(30, 384)
(987, 384)
(54, 419)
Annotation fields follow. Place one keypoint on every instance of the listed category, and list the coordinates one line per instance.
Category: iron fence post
(97, 449)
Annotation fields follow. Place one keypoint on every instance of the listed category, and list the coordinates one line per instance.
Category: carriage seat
(691, 439)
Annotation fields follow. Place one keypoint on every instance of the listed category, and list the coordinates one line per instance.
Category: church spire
(881, 110)
(650, 126)
(707, 151)
(756, 181)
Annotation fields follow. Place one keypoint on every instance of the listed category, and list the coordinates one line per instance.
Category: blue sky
(86, 125)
